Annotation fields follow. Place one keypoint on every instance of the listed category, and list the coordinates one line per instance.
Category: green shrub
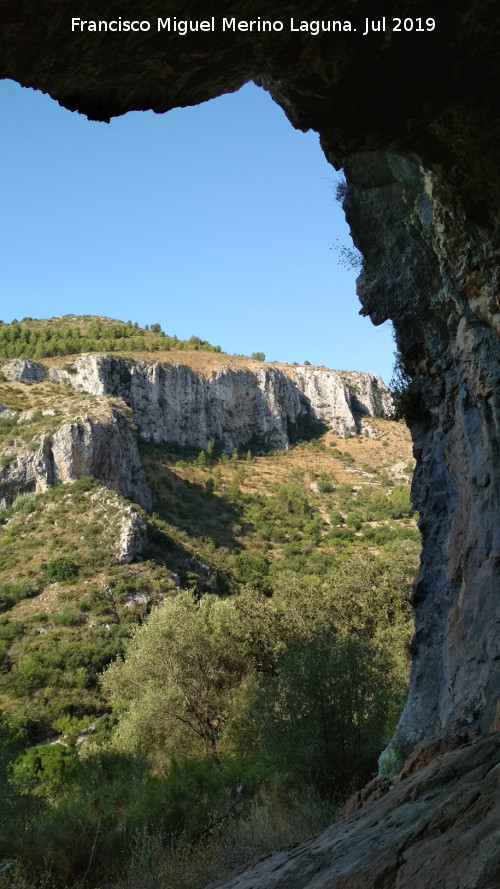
(325, 717)
(41, 768)
(61, 568)
(10, 629)
(336, 518)
(5, 661)
(84, 483)
(11, 593)
(325, 487)
(354, 521)
(399, 502)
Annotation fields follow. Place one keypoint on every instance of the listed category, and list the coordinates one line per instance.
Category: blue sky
(218, 220)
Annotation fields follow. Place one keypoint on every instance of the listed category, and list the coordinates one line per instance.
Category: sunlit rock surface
(106, 450)
(233, 408)
(24, 370)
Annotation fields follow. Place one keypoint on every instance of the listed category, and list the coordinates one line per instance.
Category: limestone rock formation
(132, 535)
(412, 116)
(7, 414)
(451, 345)
(437, 827)
(105, 450)
(233, 407)
(342, 398)
(24, 370)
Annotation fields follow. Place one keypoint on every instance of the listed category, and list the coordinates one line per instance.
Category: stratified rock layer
(435, 829)
(232, 408)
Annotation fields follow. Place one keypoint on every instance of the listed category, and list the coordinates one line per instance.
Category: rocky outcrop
(105, 450)
(342, 398)
(7, 414)
(233, 408)
(132, 534)
(24, 370)
(437, 827)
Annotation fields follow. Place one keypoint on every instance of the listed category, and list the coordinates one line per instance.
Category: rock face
(105, 450)
(133, 536)
(233, 408)
(441, 289)
(7, 414)
(413, 119)
(132, 532)
(26, 371)
(341, 398)
(436, 828)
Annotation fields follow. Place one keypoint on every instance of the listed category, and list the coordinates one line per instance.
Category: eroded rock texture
(232, 408)
(105, 449)
(434, 272)
(27, 371)
(413, 117)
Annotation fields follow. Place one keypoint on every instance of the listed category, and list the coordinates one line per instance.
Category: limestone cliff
(105, 449)
(232, 407)
(23, 370)
(430, 269)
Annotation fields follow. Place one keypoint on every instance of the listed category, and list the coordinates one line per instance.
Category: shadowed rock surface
(436, 829)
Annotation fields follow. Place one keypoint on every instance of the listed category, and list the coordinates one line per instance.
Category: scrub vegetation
(163, 721)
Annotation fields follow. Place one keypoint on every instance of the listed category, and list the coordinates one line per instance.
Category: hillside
(72, 334)
(238, 565)
(186, 396)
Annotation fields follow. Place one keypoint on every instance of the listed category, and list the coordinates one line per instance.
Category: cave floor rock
(436, 829)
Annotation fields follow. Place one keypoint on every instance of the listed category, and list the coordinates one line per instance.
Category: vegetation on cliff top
(73, 334)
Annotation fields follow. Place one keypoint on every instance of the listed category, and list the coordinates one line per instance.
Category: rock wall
(105, 450)
(429, 268)
(233, 408)
(26, 371)
(342, 398)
